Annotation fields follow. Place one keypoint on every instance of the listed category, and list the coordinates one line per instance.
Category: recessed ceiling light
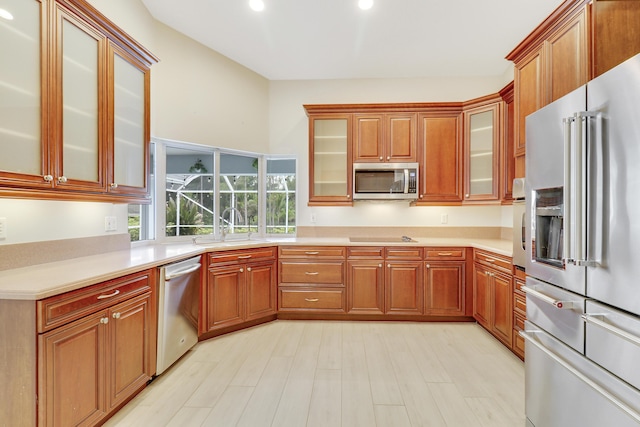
(5, 14)
(365, 4)
(256, 5)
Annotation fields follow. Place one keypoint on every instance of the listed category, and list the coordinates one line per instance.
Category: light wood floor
(313, 373)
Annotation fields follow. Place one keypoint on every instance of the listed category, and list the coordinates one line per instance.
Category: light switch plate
(110, 223)
(3, 228)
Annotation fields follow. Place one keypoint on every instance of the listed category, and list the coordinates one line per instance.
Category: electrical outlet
(3, 228)
(444, 218)
(110, 223)
(313, 218)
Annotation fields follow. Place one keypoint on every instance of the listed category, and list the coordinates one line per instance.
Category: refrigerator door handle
(528, 336)
(583, 146)
(594, 320)
(567, 232)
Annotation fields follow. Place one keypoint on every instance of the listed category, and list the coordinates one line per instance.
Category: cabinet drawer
(496, 261)
(445, 253)
(518, 322)
(242, 255)
(365, 252)
(61, 309)
(520, 304)
(404, 253)
(312, 252)
(312, 300)
(328, 273)
(517, 286)
(518, 344)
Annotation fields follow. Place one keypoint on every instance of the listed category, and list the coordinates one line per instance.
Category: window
(281, 196)
(204, 190)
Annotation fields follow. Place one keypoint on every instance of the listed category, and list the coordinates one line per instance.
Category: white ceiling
(334, 39)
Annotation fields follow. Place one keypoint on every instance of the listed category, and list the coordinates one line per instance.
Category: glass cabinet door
(482, 160)
(80, 64)
(23, 158)
(130, 133)
(330, 149)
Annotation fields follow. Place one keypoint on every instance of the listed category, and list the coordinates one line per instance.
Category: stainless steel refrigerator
(583, 255)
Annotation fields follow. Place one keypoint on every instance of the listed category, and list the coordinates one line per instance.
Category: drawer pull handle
(312, 252)
(113, 294)
(311, 273)
(490, 261)
(312, 299)
(244, 256)
(445, 253)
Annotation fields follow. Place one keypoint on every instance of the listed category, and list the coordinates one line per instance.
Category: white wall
(289, 135)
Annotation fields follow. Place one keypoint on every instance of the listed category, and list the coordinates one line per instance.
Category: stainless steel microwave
(385, 181)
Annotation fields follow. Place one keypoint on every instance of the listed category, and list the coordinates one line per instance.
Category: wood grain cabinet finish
(493, 294)
(240, 287)
(519, 312)
(441, 157)
(77, 145)
(89, 366)
(577, 42)
(385, 137)
(445, 281)
(312, 279)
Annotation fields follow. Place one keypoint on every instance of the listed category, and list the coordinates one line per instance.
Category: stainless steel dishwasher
(178, 290)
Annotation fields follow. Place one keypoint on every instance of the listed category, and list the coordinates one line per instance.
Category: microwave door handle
(406, 181)
(522, 231)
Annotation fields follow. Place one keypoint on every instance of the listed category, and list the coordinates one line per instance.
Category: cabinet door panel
(224, 297)
(404, 288)
(529, 95)
(366, 287)
(261, 290)
(441, 174)
(482, 137)
(368, 139)
(130, 346)
(567, 56)
(402, 138)
(130, 140)
(502, 307)
(445, 290)
(72, 386)
(21, 93)
(481, 296)
(80, 163)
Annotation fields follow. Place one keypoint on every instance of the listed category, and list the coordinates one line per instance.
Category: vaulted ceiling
(334, 39)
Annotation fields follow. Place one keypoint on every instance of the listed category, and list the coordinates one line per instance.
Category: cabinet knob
(104, 320)
(242, 270)
(62, 179)
(389, 265)
(388, 158)
(428, 265)
(348, 196)
(48, 178)
(380, 265)
(113, 185)
(381, 158)
(248, 268)
(466, 195)
(116, 315)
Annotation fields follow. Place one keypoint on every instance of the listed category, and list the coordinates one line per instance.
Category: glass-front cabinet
(74, 120)
(330, 165)
(482, 159)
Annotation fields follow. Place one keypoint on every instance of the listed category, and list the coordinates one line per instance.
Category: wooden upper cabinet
(330, 165)
(385, 138)
(567, 61)
(507, 149)
(528, 96)
(440, 141)
(78, 107)
(615, 35)
(482, 138)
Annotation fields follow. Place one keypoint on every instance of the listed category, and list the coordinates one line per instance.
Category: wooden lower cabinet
(492, 297)
(404, 287)
(519, 312)
(365, 285)
(444, 285)
(90, 366)
(240, 287)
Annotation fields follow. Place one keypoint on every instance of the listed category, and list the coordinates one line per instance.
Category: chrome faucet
(223, 231)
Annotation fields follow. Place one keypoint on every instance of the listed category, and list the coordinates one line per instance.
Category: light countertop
(44, 280)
